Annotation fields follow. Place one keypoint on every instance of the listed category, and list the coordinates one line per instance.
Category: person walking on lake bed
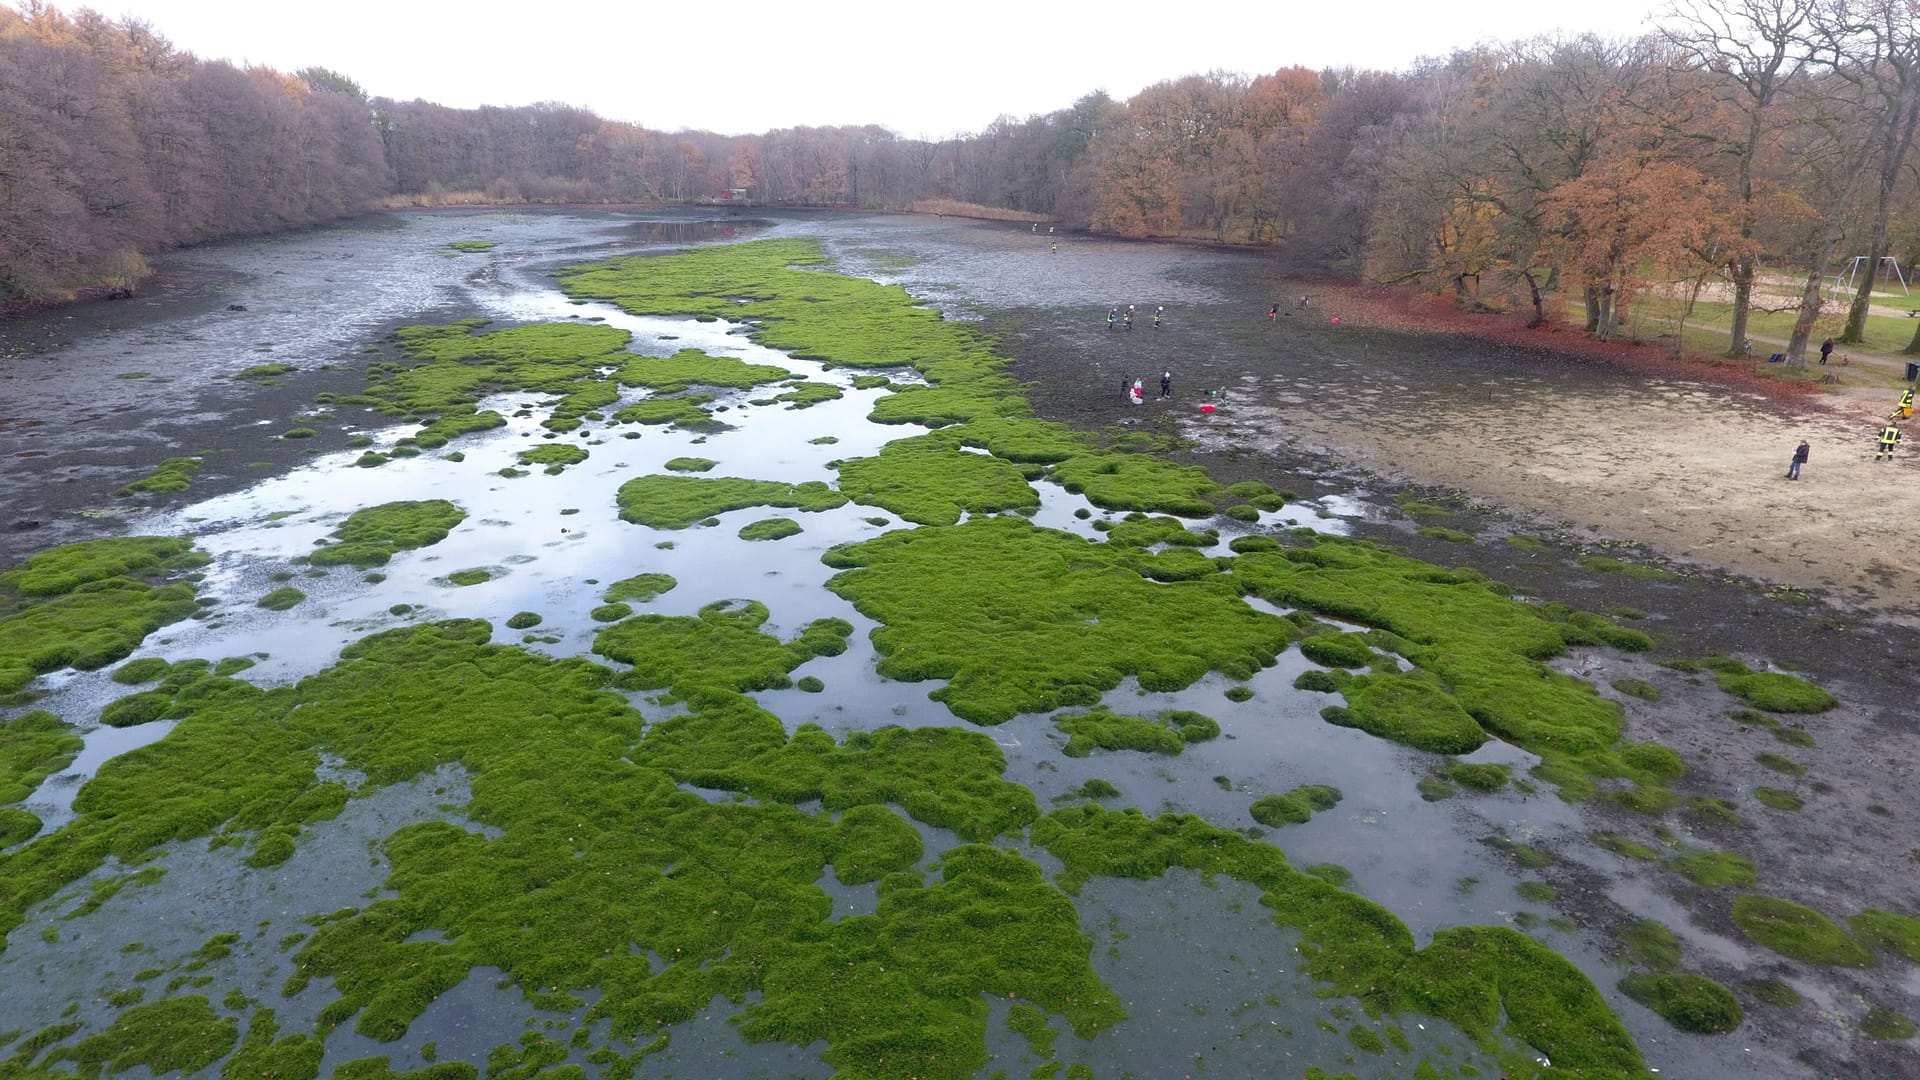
(1799, 458)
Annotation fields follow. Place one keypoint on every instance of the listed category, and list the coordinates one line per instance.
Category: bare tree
(1752, 49)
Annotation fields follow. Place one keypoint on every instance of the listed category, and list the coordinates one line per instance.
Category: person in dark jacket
(1826, 350)
(1799, 458)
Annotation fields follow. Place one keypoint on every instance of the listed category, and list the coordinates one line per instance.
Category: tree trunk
(1591, 296)
(1742, 303)
(1856, 328)
(1809, 311)
(1539, 311)
(1605, 322)
(1913, 347)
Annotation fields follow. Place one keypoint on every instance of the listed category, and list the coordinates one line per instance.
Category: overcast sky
(744, 66)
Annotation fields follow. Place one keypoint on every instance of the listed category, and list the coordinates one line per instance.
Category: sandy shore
(1695, 468)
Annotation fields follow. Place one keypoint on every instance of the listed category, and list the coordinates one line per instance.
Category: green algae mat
(645, 844)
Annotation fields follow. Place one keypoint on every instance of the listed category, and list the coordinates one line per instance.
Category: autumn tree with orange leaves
(1627, 224)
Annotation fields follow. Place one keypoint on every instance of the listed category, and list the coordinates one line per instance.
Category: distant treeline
(1745, 133)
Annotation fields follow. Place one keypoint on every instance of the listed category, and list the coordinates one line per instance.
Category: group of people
(1305, 301)
(1136, 389)
(1117, 319)
(1885, 445)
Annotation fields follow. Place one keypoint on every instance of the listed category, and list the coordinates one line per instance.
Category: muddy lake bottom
(96, 395)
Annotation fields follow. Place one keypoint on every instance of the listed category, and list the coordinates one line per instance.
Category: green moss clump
(1774, 992)
(88, 605)
(1338, 650)
(525, 620)
(63, 570)
(1295, 807)
(1237, 694)
(141, 708)
(689, 464)
(1798, 931)
(930, 480)
(172, 475)
(1883, 1023)
(1445, 535)
(721, 647)
(299, 433)
(682, 411)
(1138, 482)
(640, 588)
(1366, 1039)
(1104, 730)
(1321, 682)
(474, 576)
(372, 536)
(870, 842)
(1771, 691)
(1652, 944)
(1031, 1024)
(1479, 652)
(1023, 619)
(17, 825)
(1715, 869)
(809, 684)
(1778, 799)
(453, 424)
(1781, 765)
(452, 367)
(1412, 707)
(1480, 777)
(1689, 1002)
(1889, 932)
(676, 502)
(610, 613)
(1434, 789)
(262, 1054)
(691, 367)
(555, 456)
(778, 528)
(807, 394)
(1194, 727)
(1712, 811)
(33, 746)
(267, 373)
(592, 838)
(1242, 512)
(175, 1034)
(1332, 873)
(145, 669)
(1538, 892)
(281, 599)
(471, 245)
(1274, 811)
(1097, 788)
(1639, 688)
(1486, 980)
